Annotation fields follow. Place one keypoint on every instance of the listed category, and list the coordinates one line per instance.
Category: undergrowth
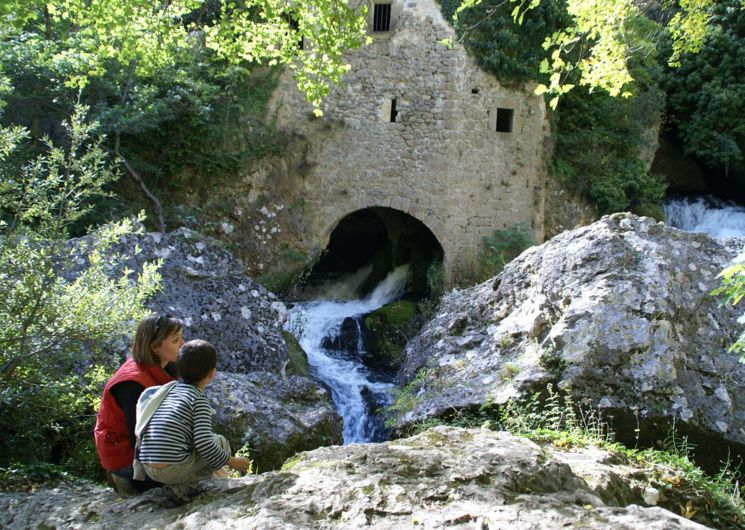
(31, 477)
(549, 418)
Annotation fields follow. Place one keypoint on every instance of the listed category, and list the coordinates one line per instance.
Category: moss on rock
(298, 364)
(388, 329)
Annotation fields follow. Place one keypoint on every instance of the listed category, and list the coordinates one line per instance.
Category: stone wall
(442, 160)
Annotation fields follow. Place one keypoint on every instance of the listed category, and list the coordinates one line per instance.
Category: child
(178, 446)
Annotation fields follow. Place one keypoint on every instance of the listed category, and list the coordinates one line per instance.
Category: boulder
(348, 339)
(206, 287)
(618, 314)
(276, 417)
(386, 331)
(443, 478)
(255, 399)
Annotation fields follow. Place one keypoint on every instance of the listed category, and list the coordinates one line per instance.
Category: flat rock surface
(443, 478)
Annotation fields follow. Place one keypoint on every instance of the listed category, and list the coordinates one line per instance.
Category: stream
(329, 327)
(707, 214)
(335, 354)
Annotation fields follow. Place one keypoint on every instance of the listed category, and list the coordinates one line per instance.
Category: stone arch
(376, 234)
(369, 199)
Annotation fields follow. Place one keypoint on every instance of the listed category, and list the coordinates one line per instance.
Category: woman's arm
(126, 395)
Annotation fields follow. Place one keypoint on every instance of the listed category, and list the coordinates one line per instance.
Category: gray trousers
(193, 469)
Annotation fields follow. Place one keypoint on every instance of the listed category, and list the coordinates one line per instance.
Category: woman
(157, 342)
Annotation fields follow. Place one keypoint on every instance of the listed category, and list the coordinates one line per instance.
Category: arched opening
(379, 239)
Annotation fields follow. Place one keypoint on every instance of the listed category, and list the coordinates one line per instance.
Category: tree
(733, 289)
(54, 323)
(145, 37)
(143, 67)
(706, 93)
(603, 38)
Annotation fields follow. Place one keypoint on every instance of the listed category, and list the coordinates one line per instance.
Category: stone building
(417, 131)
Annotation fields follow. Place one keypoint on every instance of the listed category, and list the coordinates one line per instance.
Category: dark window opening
(382, 17)
(475, 90)
(394, 110)
(505, 119)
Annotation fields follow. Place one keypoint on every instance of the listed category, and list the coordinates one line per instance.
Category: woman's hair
(153, 330)
(196, 359)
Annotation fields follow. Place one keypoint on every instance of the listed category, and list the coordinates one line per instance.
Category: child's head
(196, 359)
(151, 333)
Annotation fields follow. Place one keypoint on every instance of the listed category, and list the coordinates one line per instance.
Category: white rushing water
(343, 372)
(710, 215)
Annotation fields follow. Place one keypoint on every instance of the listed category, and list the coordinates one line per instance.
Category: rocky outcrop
(445, 477)
(618, 314)
(564, 209)
(276, 417)
(204, 285)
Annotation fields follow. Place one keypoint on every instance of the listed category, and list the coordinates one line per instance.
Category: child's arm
(204, 441)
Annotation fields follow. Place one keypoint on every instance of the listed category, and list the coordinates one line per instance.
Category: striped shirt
(181, 425)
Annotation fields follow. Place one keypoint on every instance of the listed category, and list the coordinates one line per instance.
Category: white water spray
(344, 373)
(710, 215)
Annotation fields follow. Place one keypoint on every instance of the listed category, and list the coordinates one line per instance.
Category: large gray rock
(445, 477)
(206, 287)
(618, 313)
(276, 417)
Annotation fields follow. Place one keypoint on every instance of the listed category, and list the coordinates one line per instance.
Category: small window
(505, 120)
(394, 110)
(382, 17)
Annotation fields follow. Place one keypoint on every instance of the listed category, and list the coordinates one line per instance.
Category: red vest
(111, 435)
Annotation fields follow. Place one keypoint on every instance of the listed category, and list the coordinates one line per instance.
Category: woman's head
(157, 340)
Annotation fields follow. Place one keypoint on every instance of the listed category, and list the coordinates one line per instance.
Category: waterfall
(713, 216)
(318, 327)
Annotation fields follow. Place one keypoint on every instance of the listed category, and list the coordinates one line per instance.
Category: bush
(54, 325)
(707, 92)
(733, 289)
(599, 139)
(500, 248)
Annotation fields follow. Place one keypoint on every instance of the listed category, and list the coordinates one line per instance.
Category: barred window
(382, 17)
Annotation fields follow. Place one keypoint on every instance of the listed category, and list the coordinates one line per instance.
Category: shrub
(500, 248)
(599, 139)
(54, 325)
(733, 289)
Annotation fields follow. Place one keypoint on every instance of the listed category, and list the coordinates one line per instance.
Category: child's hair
(153, 330)
(196, 359)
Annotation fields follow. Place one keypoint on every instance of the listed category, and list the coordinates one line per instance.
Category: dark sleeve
(126, 395)
(172, 370)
